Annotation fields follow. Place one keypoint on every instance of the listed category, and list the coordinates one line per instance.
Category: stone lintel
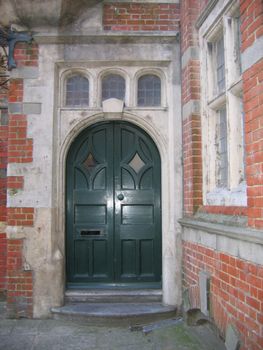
(118, 37)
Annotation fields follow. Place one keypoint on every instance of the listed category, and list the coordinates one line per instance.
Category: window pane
(77, 91)
(237, 49)
(113, 86)
(222, 149)
(220, 64)
(149, 91)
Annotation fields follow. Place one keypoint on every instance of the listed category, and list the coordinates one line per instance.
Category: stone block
(32, 108)
(15, 108)
(204, 285)
(232, 339)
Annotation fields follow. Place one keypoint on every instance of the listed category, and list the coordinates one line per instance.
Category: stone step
(113, 296)
(115, 314)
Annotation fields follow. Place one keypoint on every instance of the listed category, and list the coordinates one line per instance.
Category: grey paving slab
(6, 326)
(68, 335)
(16, 342)
(65, 342)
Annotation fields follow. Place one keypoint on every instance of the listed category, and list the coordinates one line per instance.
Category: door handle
(120, 196)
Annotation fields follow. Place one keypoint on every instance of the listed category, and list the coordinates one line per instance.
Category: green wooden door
(113, 208)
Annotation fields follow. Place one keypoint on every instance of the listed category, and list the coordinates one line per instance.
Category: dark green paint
(113, 207)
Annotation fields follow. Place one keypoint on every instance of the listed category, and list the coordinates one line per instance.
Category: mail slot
(90, 232)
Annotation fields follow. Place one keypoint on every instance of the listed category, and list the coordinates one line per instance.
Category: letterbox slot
(90, 232)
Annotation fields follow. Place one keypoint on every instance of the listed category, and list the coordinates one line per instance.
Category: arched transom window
(113, 86)
(149, 90)
(77, 91)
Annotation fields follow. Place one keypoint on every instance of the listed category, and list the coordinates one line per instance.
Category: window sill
(237, 87)
(224, 197)
(147, 108)
(244, 234)
(218, 102)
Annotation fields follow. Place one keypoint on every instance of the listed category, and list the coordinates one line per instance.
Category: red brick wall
(252, 21)
(192, 155)
(3, 166)
(141, 17)
(26, 55)
(3, 254)
(191, 81)
(253, 107)
(19, 282)
(192, 145)
(236, 291)
(190, 10)
(20, 216)
(20, 148)
(236, 285)
(3, 181)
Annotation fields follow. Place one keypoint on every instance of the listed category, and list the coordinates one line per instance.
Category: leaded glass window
(77, 91)
(220, 64)
(113, 86)
(222, 149)
(149, 90)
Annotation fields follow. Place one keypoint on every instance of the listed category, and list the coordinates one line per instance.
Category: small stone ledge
(118, 37)
(238, 233)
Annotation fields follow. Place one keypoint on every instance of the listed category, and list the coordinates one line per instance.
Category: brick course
(20, 216)
(20, 148)
(141, 17)
(192, 155)
(26, 55)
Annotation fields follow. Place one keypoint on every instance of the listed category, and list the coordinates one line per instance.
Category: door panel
(113, 206)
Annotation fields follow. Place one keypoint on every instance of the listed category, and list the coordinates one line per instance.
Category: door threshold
(113, 296)
(115, 286)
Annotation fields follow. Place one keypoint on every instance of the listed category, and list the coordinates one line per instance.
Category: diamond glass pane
(149, 90)
(90, 162)
(136, 163)
(113, 86)
(77, 91)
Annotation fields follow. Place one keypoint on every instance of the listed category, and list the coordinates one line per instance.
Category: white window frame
(234, 193)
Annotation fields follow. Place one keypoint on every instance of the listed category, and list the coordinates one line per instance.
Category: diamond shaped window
(136, 163)
(90, 163)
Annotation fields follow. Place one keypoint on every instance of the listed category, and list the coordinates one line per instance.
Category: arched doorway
(113, 208)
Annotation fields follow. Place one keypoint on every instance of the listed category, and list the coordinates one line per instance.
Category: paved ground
(68, 335)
